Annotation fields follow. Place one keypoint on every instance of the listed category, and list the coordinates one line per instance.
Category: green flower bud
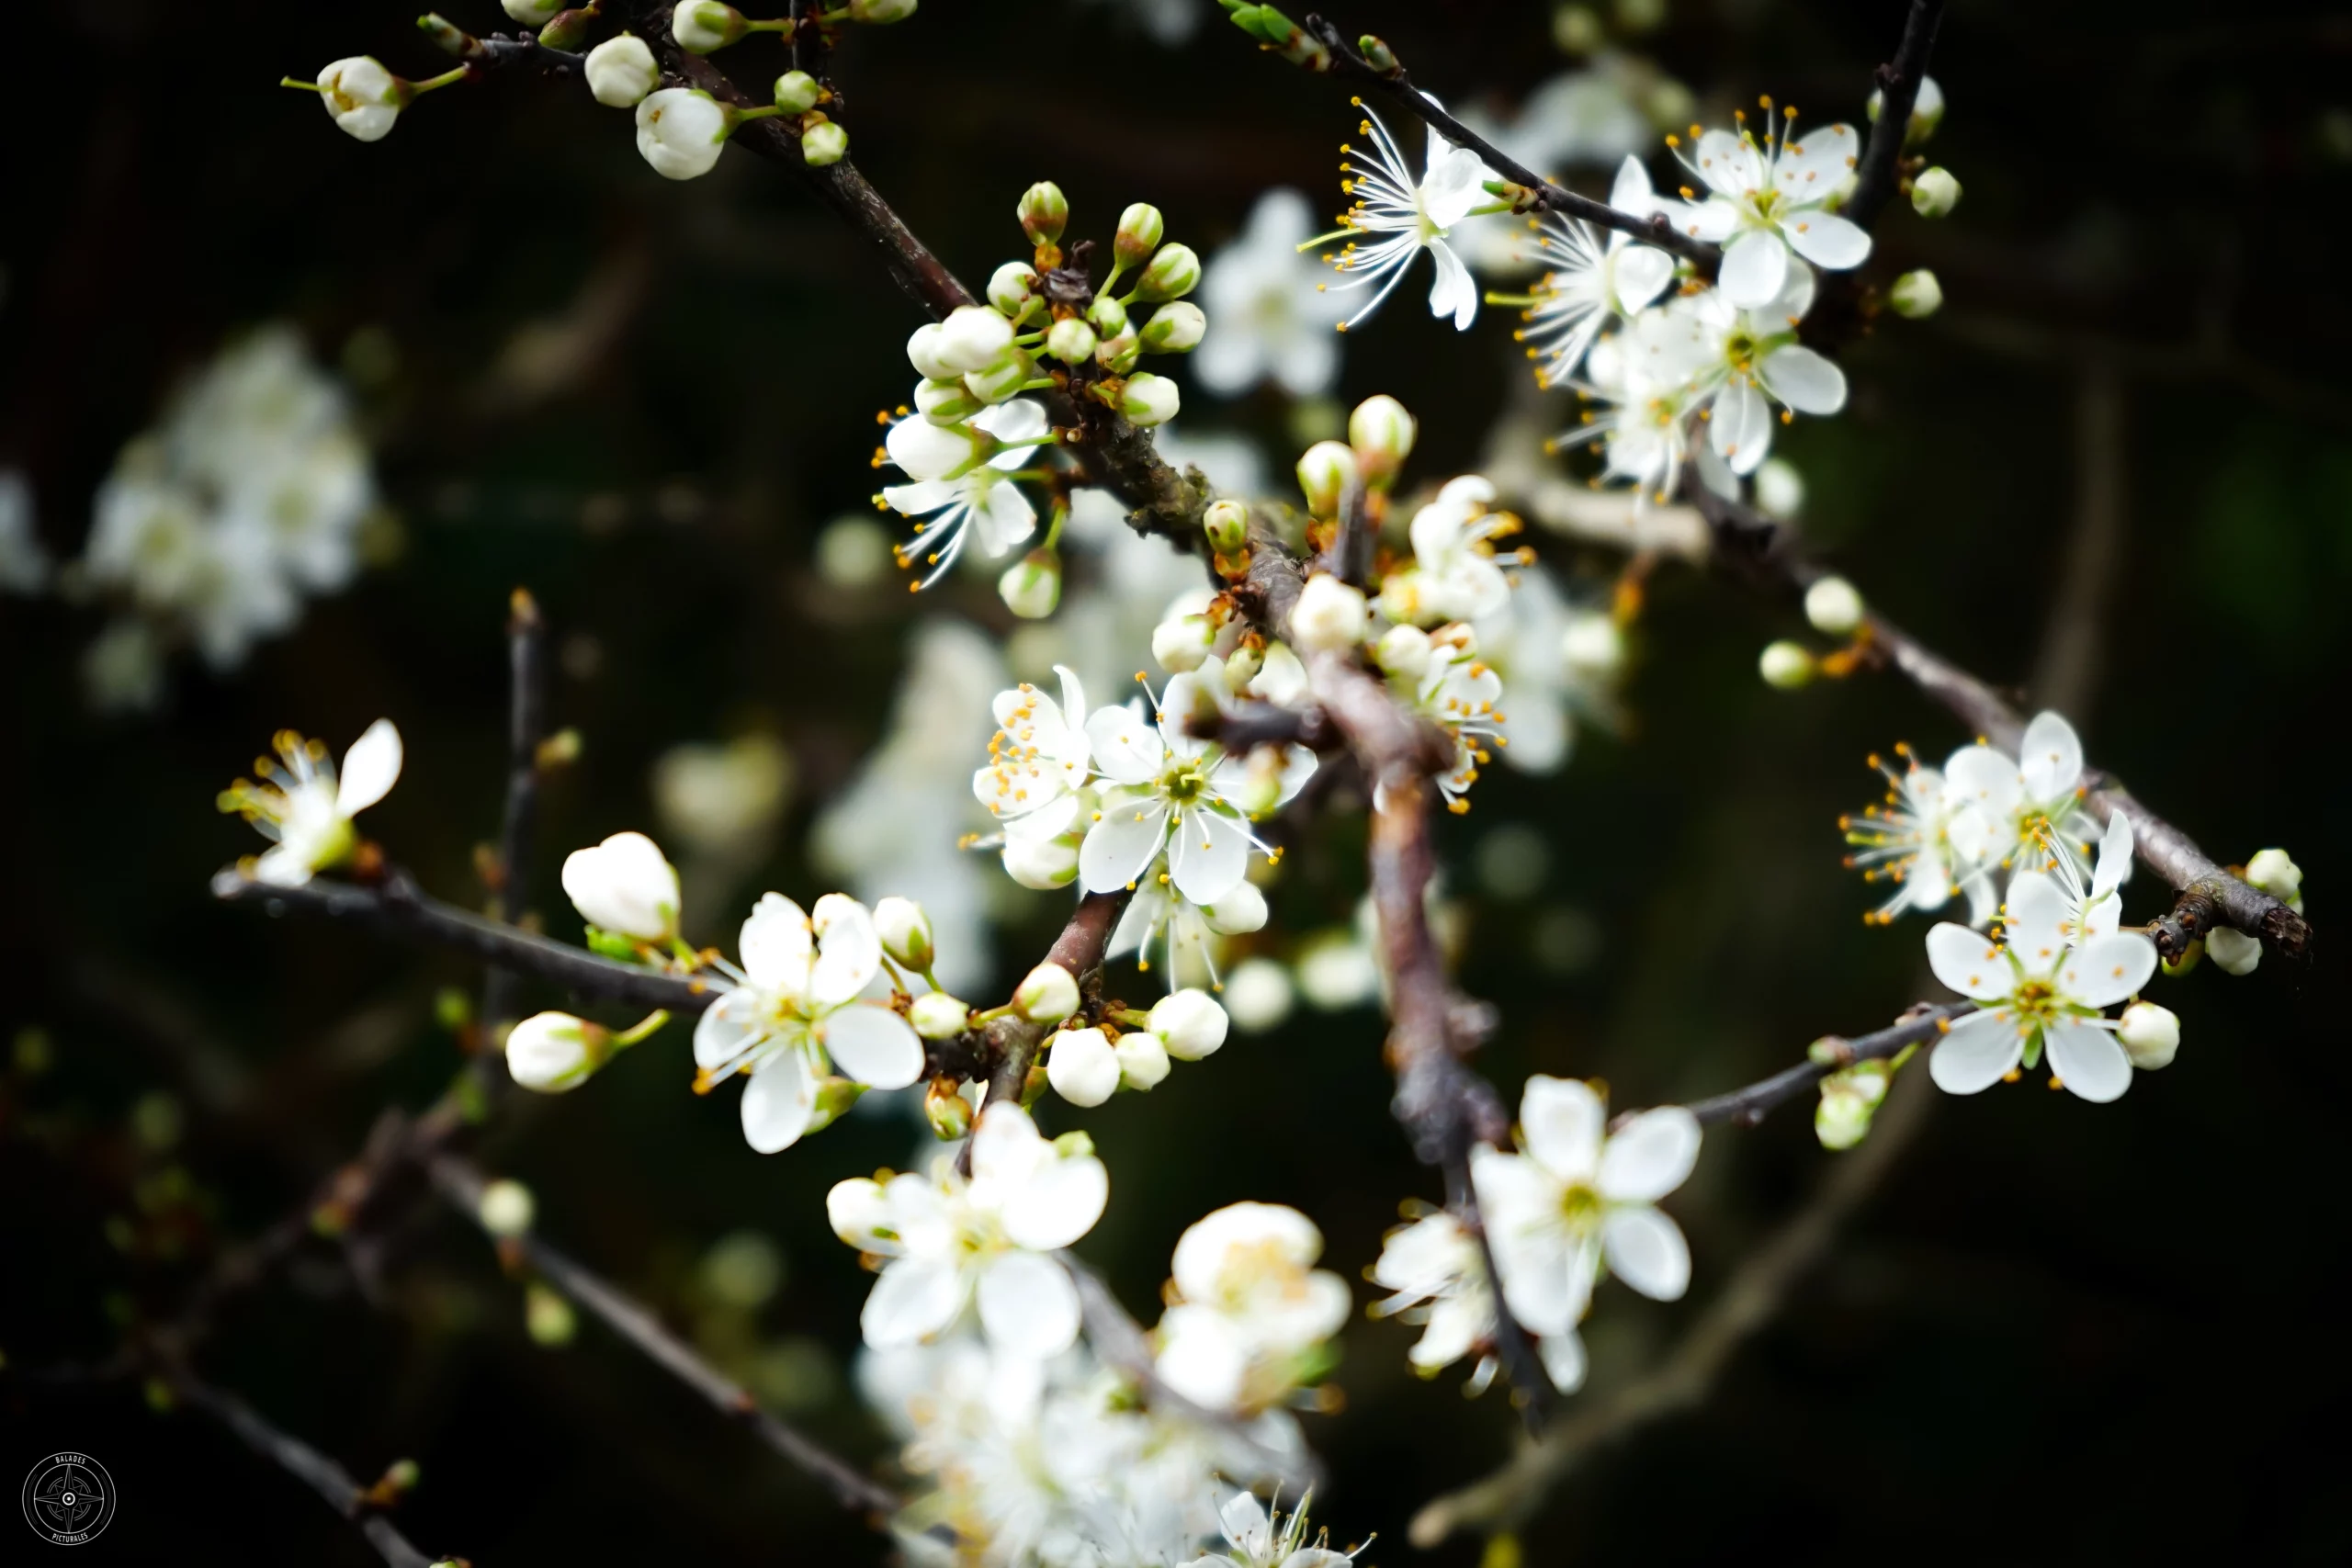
(1108, 317)
(1227, 522)
(1916, 294)
(1032, 586)
(1173, 272)
(1934, 193)
(1011, 287)
(1786, 665)
(824, 143)
(1139, 230)
(797, 92)
(1072, 341)
(1176, 328)
(1044, 211)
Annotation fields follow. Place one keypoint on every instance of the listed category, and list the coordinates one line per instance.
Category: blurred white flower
(1248, 1307)
(1271, 317)
(305, 806)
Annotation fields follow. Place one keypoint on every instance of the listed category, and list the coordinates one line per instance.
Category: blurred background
(2117, 466)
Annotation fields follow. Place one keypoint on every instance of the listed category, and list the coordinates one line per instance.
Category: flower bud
(1927, 111)
(1382, 434)
(1143, 1060)
(923, 353)
(1011, 287)
(507, 1209)
(681, 131)
(531, 12)
(938, 1016)
(1258, 995)
(944, 1107)
(1330, 616)
(1934, 193)
(947, 403)
(1139, 236)
(1242, 912)
(1181, 643)
(547, 1318)
(1242, 665)
(1189, 1023)
(361, 97)
(1003, 379)
(1404, 652)
(1032, 586)
(1118, 354)
(1082, 1065)
(1779, 490)
(1848, 1100)
(621, 71)
(824, 144)
(2149, 1035)
(880, 12)
(1916, 294)
(1149, 400)
(1227, 522)
(973, 337)
(835, 1097)
(797, 92)
(553, 1051)
(1048, 995)
(1281, 678)
(1592, 648)
(1174, 329)
(1107, 316)
(1324, 470)
(1042, 863)
(1173, 272)
(1786, 665)
(906, 933)
(1044, 210)
(624, 884)
(2271, 870)
(701, 25)
(568, 30)
(1833, 607)
(1072, 341)
(446, 35)
(2235, 952)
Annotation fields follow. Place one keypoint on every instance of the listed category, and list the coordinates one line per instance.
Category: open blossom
(1038, 761)
(1436, 1278)
(2034, 990)
(1592, 278)
(792, 1016)
(305, 805)
(1462, 696)
(1256, 1539)
(1577, 1196)
(1273, 317)
(1455, 574)
(1640, 390)
(1249, 1302)
(1907, 839)
(1768, 198)
(2030, 803)
(1399, 216)
(962, 485)
(1752, 365)
(2094, 903)
(951, 1241)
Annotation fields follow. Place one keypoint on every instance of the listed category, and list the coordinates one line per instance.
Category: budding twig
(1876, 176)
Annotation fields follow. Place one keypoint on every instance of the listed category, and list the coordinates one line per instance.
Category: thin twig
(1745, 1107)
(525, 728)
(1876, 176)
(461, 1183)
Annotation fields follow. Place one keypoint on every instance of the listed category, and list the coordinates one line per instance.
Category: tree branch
(525, 727)
(1922, 1024)
(461, 1184)
(1878, 173)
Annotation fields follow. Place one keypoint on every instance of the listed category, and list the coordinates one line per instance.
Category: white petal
(1208, 854)
(1739, 427)
(1828, 240)
(859, 1212)
(1243, 1520)
(1118, 850)
(1006, 1148)
(1810, 168)
(1544, 1280)
(778, 1101)
(1453, 292)
(2114, 857)
(1806, 381)
(725, 1028)
(2106, 969)
(914, 1299)
(849, 952)
(1981, 776)
(1632, 191)
(1126, 745)
(1564, 1360)
(1561, 1121)
(1977, 1055)
(1059, 1203)
(922, 498)
(1008, 519)
(1650, 1156)
(1021, 422)
(2050, 755)
(873, 1045)
(777, 946)
(369, 768)
(1755, 266)
(1028, 1306)
(1728, 164)
(1969, 962)
(2034, 918)
(1643, 271)
(2089, 1060)
(1646, 1249)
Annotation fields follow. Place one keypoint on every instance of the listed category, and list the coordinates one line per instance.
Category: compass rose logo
(68, 1499)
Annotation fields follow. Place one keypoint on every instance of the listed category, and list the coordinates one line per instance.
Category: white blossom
(362, 98)
(1082, 1065)
(1398, 216)
(304, 806)
(1273, 319)
(962, 485)
(621, 71)
(1455, 574)
(2003, 805)
(551, 1052)
(625, 885)
(1907, 839)
(1248, 1305)
(1750, 363)
(1770, 196)
(1592, 278)
(680, 132)
(1436, 1279)
(1255, 1540)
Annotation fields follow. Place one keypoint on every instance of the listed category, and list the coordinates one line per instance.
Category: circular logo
(69, 1499)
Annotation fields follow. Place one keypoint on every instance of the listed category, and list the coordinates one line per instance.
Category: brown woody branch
(1923, 1024)
(1878, 173)
(461, 1183)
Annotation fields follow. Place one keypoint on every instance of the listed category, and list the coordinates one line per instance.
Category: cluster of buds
(1087, 1066)
(1089, 328)
(1834, 608)
(1278, 33)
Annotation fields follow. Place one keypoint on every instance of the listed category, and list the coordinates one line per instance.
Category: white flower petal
(2089, 1060)
(1828, 241)
(1646, 1249)
(1453, 292)
(777, 946)
(1650, 1156)
(2114, 857)
(2106, 969)
(1983, 777)
(1969, 962)
(1028, 1306)
(1006, 519)
(1208, 855)
(921, 498)
(1563, 1360)
(369, 768)
(778, 1101)
(726, 1029)
(914, 1299)
(849, 951)
(1728, 164)
(1561, 1119)
(1977, 1053)
(1119, 849)
(2051, 756)
(1059, 1203)
(873, 1045)
(1810, 168)
(1641, 274)
(1755, 266)
(1806, 381)
(2035, 919)
(1126, 745)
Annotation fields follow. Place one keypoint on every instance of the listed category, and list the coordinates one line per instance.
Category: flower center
(2036, 1002)
(1580, 1206)
(1185, 781)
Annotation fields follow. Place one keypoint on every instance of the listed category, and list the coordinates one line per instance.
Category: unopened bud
(1175, 328)
(1149, 399)
(1082, 1066)
(1032, 586)
(1227, 522)
(1140, 228)
(923, 352)
(507, 1209)
(1779, 490)
(447, 36)
(1934, 193)
(1107, 316)
(1048, 995)
(553, 1051)
(880, 12)
(1404, 652)
(835, 1094)
(1044, 210)
(935, 1015)
(946, 402)
(1376, 54)
(1118, 354)
(1002, 381)
(973, 337)
(1190, 1023)
(531, 12)
(702, 26)
(568, 30)
(1330, 616)
(797, 92)
(1849, 1098)
(1324, 470)
(1042, 863)
(1072, 341)
(1143, 1060)
(944, 1107)
(905, 931)
(2149, 1035)
(1173, 272)
(823, 143)
(1592, 648)
(2271, 870)
(1786, 665)
(621, 71)
(1012, 286)
(1182, 642)
(1577, 30)
(1916, 294)
(2234, 950)
(1927, 111)
(547, 1318)
(1382, 434)
(1834, 606)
